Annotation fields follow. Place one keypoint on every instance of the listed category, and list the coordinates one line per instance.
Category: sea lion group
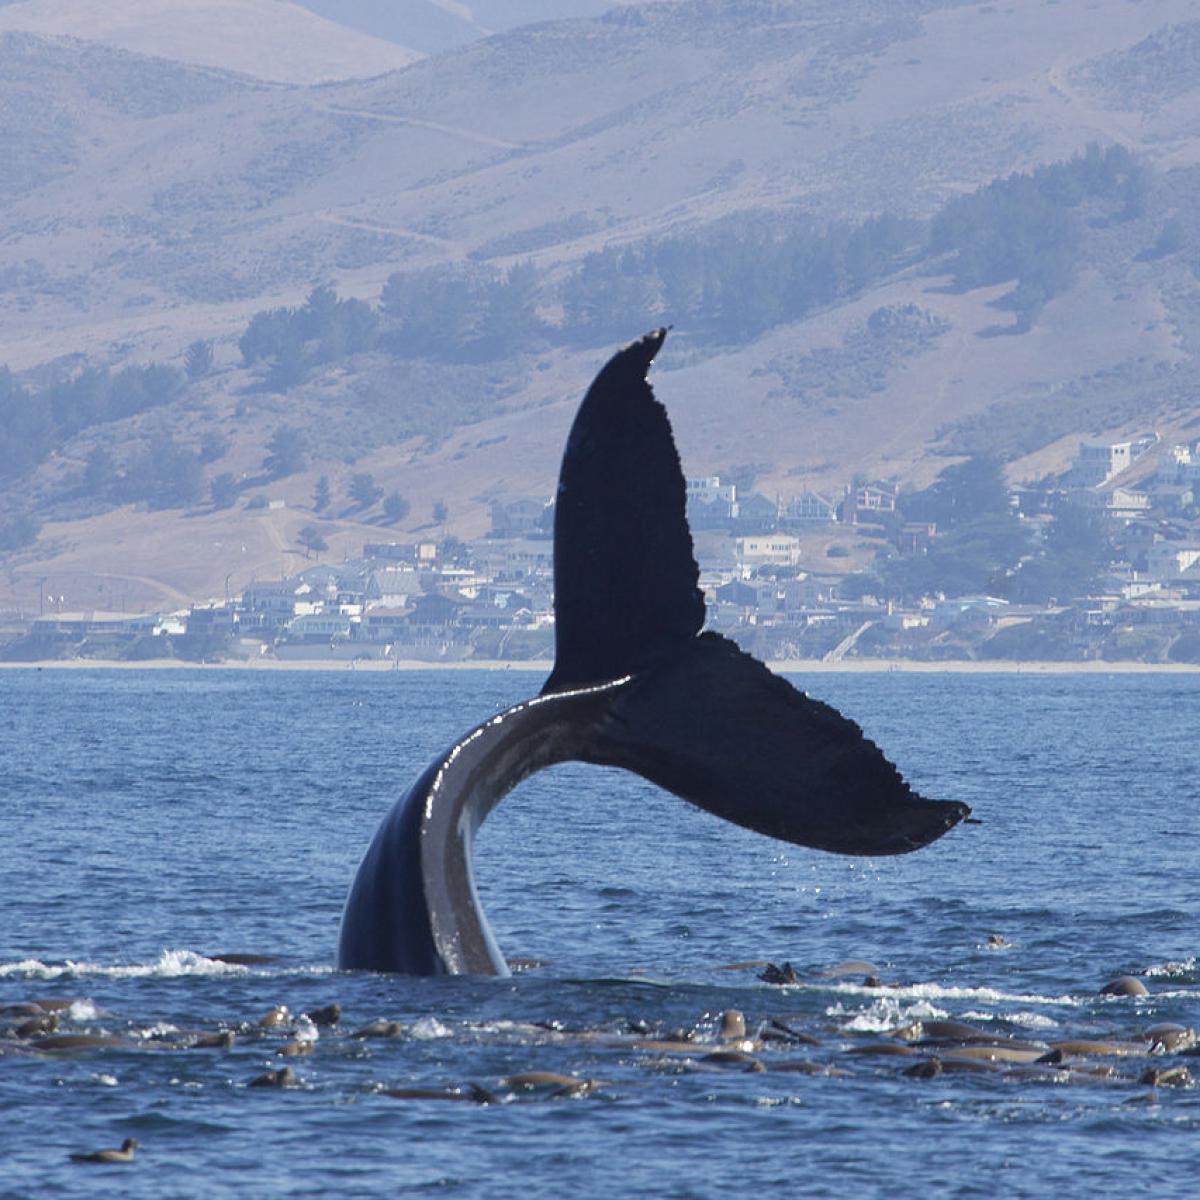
(769, 1041)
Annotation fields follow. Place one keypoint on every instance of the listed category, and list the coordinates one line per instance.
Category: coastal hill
(269, 39)
(151, 204)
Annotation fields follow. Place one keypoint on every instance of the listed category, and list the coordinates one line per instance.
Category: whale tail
(701, 718)
(636, 684)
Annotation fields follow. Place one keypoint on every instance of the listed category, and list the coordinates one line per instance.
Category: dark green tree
(198, 359)
(214, 445)
(19, 530)
(224, 490)
(164, 474)
(287, 452)
(363, 489)
(312, 539)
(99, 472)
(321, 494)
(395, 507)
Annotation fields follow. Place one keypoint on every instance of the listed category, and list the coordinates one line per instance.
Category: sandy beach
(854, 666)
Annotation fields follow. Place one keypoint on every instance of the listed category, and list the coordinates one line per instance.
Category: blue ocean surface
(155, 819)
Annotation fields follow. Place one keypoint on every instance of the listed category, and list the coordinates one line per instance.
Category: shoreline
(855, 666)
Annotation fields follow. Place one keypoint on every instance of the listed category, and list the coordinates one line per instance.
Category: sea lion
(1124, 985)
(781, 975)
(282, 1078)
(636, 684)
(37, 1026)
(1166, 1077)
(83, 1041)
(473, 1094)
(215, 1041)
(331, 1014)
(929, 1068)
(855, 966)
(733, 1025)
(109, 1157)
(379, 1029)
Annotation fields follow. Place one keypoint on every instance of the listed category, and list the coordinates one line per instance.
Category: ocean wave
(936, 991)
(170, 964)
(1027, 1020)
(885, 1013)
(1184, 969)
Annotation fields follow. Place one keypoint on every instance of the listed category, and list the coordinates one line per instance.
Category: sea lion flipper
(719, 729)
(626, 583)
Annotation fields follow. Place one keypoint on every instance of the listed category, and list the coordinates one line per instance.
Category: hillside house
(516, 517)
(806, 509)
(866, 502)
(392, 586)
(756, 513)
(1120, 503)
(273, 605)
(1168, 561)
(776, 549)
(400, 552)
(1097, 462)
(710, 503)
(915, 536)
(320, 628)
(384, 624)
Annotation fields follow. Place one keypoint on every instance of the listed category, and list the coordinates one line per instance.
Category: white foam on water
(429, 1028)
(1028, 1020)
(83, 1010)
(885, 1013)
(170, 964)
(105, 1080)
(1171, 969)
(162, 1029)
(937, 991)
(305, 1030)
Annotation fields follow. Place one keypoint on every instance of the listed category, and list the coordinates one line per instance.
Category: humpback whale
(635, 684)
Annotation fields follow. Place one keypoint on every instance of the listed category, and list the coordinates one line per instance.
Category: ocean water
(152, 820)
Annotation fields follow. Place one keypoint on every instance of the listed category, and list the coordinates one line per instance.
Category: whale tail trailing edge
(718, 729)
(701, 719)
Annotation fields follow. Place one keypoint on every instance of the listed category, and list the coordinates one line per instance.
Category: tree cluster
(733, 284)
(1027, 227)
(32, 423)
(470, 313)
(292, 341)
(162, 473)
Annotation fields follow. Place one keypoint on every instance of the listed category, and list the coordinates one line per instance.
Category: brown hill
(268, 39)
(153, 204)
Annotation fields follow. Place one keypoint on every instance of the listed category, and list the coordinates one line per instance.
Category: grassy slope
(268, 39)
(177, 222)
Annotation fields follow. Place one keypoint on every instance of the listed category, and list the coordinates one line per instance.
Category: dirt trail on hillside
(468, 135)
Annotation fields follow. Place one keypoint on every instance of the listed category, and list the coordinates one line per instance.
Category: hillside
(267, 39)
(152, 204)
(433, 26)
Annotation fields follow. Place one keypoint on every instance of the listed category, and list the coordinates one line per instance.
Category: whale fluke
(636, 684)
(626, 583)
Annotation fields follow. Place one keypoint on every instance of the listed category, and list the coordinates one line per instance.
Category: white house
(777, 549)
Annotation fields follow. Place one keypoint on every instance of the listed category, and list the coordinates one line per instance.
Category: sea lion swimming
(110, 1157)
(635, 684)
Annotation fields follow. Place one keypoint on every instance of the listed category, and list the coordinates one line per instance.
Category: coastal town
(789, 577)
